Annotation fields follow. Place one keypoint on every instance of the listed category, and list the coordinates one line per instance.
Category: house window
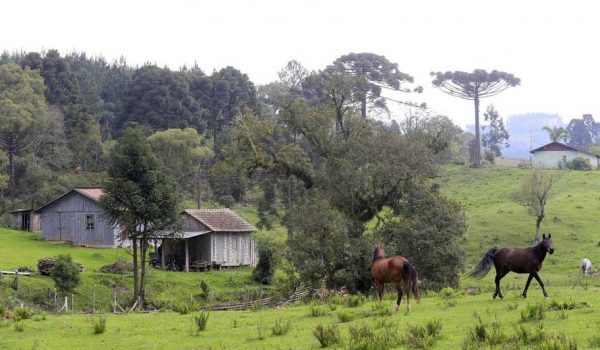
(89, 222)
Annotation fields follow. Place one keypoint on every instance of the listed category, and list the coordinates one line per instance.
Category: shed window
(89, 222)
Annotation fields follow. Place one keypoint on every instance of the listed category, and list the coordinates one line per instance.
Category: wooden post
(162, 254)
(187, 256)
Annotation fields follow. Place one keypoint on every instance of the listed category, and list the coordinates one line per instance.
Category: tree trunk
(477, 155)
(136, 281)
(12, 182)
(363, 107)
(143, 253)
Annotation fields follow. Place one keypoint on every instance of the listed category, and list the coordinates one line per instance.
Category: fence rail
(268, 302)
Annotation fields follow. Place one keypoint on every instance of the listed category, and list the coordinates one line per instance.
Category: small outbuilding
(211, 237)
(555, 155)
(25, 220)
(77, 216)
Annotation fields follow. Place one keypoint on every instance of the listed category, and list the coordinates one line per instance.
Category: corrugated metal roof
(220, 220)
(557, 146)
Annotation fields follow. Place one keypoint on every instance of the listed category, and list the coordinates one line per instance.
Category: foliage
(533, 312)
(200, 320)
(534, 194)
(100, 324)
(141, 197)
(327, 335)
(557, 134)
(426, 232)
(584, 132)
(264, 270)
(22, 313)
(579, 163)
(423, 336)
(65, 274)
(474, 86)
(345, 316)
(496, 134)
(281, 327)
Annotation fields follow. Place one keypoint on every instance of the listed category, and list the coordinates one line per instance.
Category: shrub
(280, 327)
(345, 316)
(559, 342)
(100, 324)
(529, 336)
(182, 307)
(595, 342)
(579, 163)
(227, 201)
(263, 273)
(200, 321)
(327, 335)
(422, 337)
(65, 274)
(571, 305)
(332, 306)
(316, 310)
(206, 291)
(19, 326)
(380, 309)
(261, 331)
(533, 312)
(121, 266)
(23, 313)
(355, 300)
(448, 297)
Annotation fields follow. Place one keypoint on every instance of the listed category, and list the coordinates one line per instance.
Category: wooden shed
(25, 220)
(211, 237)
(77, 216)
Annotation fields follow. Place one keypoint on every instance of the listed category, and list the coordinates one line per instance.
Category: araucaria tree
(21, 106)
(474, 86)
(141, 198)
(534, 195)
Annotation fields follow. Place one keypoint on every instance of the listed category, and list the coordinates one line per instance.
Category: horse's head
(379, 253)
(547, 243)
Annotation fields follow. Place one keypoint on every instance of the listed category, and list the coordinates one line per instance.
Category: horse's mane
(378, 253)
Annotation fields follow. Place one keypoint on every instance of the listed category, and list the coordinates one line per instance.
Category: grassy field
(493, 220)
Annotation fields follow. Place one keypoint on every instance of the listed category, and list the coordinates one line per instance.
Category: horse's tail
(411, 280)
(484, 265)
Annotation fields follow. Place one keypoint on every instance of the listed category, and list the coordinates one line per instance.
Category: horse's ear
(549, 235)
(543, 236)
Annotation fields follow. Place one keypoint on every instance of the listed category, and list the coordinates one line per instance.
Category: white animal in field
(586, 266)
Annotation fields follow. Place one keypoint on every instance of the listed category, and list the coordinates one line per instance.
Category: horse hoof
(524, 296)
(494, 296)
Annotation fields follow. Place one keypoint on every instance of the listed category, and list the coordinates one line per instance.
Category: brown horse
(528, 260)
(395, 270)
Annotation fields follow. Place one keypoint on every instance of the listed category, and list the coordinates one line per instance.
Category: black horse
(527, 260)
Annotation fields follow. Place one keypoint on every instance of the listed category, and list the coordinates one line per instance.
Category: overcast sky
(552, 46)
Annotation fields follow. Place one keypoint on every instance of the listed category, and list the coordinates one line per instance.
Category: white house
(555, 155)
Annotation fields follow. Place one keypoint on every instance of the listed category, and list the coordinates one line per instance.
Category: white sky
(552, 46)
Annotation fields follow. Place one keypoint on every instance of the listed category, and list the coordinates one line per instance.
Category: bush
(533, 312)
(327, 335)
(316, 310)
(261, 331)
(100, 324)
(354, 300)
(529, 336)
(227, 201)
(23, 313)
(559, 342)
(345, 316)
(200, 321)
(448, 297)
(182, 307)
(120, 266)
(19, 326)
(65, 274)
(422, 337)
(579, 163)
(263, 273)
(280, 327)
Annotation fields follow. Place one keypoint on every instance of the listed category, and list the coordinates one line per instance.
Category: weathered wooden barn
(77, 216)
(25, 220)
(211, 237)
(555, 155)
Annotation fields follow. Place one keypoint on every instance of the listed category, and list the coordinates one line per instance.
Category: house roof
(93, 193)
(220, 220)
(557, 147)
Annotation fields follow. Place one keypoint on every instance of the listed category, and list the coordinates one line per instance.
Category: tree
(21, 107)
(141, 198)
(534, 195)
(183, 152)
(374, 73)
(584, 132)
(65, 274)
(496, 132)
(557, 134)
(474, 86)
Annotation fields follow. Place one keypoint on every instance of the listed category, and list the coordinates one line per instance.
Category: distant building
(555, 155)
(25, 220)
(77, 216)
(211, 237)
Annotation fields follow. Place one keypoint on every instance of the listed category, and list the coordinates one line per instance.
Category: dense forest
(317, 151)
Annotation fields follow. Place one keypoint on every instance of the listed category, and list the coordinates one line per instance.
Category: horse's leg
(380, 289)
(539, 280)
(399, 300)
(527, 285)
(498, 292)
